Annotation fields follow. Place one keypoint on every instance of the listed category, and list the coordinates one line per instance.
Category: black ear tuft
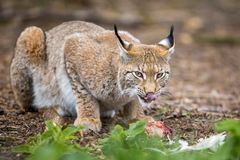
(119, 38)
(171, 30)
(170, 36)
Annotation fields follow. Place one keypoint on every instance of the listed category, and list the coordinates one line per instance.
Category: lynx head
(144, 70)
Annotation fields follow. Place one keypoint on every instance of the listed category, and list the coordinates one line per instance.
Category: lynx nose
(150, 96)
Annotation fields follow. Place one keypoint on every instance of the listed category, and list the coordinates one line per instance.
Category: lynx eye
(160, 75)
(138, 74)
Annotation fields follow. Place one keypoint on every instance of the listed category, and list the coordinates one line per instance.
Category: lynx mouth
(145, 100)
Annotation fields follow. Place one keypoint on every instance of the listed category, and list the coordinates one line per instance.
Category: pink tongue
(150, 96)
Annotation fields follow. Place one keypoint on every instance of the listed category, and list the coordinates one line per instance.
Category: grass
(58, 143)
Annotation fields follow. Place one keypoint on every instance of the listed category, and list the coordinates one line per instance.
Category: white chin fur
(144, 104)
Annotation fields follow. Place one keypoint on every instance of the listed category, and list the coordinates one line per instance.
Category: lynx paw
(89, 124)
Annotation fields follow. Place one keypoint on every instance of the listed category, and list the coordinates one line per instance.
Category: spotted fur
(82, 70)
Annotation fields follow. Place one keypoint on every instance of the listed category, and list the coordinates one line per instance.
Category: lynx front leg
(87, 107)
(88, 113)
(133, 111)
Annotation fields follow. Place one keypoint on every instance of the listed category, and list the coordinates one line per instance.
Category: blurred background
(205, 66)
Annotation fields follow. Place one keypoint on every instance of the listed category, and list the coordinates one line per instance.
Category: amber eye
(138, 74)
(160, 75)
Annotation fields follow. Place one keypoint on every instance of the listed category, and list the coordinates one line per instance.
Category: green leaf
(53, 144)
(135, 129)
(230, 125)
(24, 148)
(70, 131)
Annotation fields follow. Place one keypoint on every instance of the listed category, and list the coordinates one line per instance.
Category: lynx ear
(123, 45)
(168, 43)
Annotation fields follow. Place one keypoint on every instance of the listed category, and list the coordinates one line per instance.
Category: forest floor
(204, 85)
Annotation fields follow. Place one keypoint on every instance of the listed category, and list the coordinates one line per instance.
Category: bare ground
(204, 86)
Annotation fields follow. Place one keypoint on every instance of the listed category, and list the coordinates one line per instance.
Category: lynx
(84, 71)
